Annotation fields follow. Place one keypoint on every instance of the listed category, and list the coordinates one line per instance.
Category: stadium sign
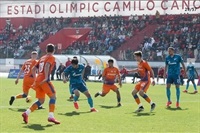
(39, 9)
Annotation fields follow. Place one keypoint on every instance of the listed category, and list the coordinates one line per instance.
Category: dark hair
(110, 61)
(50, 48)
(172, 48)
(74, 62)
(138, 53)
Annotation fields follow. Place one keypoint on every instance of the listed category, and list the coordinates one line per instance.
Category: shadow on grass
(108, 107)
(37, 127)
(73, 113)
(144, 114)
(17, 109)
(71, 100)
(176, 109)
(192, 93)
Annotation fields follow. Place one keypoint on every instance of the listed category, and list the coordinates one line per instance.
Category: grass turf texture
(108, 119)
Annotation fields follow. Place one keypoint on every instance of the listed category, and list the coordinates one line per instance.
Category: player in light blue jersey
(172, 67)
(191, 71)
(75, 71)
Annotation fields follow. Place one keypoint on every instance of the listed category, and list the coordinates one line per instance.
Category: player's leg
(168, 91)
(194, 85)
(40, 94)
(48, 88)
(104, 92)
(142, 92)
(187, 85)
(137, 99)
(71, 92)
(116, 90)
(90, 101)
(177, 83)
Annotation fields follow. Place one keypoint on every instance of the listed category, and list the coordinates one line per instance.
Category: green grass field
(108, 119)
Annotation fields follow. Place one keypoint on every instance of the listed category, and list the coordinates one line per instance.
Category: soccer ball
(28, 99)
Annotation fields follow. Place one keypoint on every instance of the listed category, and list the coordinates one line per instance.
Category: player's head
(34, 55)
(74, 63)
(171, 51)
(110, 62)
(138, 55)
(50, 48)
(75, 58)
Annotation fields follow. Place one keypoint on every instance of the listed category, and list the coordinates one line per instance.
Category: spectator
(123, 73)
(87, 72)
(53, 71)
(68, 63)
(59, 71)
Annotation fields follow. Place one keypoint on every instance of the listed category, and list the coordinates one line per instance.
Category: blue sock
(90, 102)
(187, 86)
(168, 92)
(75, 98)
(177, 94)
(195, 87)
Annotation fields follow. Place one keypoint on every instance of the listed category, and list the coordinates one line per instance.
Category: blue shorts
(191, 78)
(173, 79)
(78, 86)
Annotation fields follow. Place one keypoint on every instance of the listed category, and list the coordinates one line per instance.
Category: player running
(75, 71)
(145, 71)
(109, 76)
(160, 74)
(172, 67)
(191, 77)
(28, 77)
(43, 84)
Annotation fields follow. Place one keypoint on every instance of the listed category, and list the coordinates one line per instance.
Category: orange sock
(19, 96)
(137, 99)
(51, 107)
(147, 98)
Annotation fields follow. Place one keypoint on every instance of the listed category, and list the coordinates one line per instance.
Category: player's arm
(183, 65)
(19, 74)
(147, 66)
(119, 77)
(46, 72)
(196, 72)
(65, 75)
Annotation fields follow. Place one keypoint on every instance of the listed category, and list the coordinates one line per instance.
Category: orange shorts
(107, 88)
(45, 88)
(143, 85)
(27, 84)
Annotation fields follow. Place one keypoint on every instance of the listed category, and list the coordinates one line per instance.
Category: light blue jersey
(173, 64)
(75, 74)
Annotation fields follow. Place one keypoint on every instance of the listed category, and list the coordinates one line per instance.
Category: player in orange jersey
(142, 86)
(110, 74)
(43, 84)
(28, 77)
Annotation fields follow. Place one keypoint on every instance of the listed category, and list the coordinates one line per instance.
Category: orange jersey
(144, 70)
(41, 64)
(27, 67)
(110, 74)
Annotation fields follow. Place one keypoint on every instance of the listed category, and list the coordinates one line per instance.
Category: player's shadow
(108, 107)
(191, 93)
(73, 113)
(144, 114)
(17, 109)
(37, 127)
(176, 109)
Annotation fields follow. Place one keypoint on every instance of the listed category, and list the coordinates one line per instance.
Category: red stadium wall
(65, 37)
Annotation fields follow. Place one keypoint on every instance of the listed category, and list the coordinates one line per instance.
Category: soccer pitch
(109, 118)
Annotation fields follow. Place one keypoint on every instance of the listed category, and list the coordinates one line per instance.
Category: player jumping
(172, 67)
(145, 71)
(191, 77)
(43, 84)
(75, 71)
(28, 77)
